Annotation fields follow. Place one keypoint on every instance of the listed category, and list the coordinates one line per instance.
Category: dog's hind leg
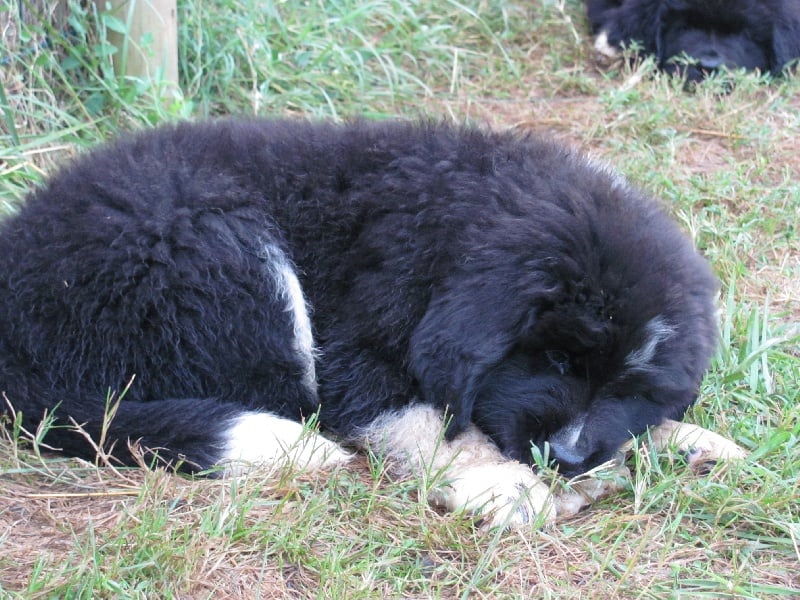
(187, 434)
(468, 473)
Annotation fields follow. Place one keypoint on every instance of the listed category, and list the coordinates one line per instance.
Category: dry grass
(728, 165)
(298, 535)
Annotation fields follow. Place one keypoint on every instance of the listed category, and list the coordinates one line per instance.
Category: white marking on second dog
(471, 474)
(256, 438)
(602, 46)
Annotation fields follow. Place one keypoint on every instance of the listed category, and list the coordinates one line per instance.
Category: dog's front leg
(700, 445)
(467, 473)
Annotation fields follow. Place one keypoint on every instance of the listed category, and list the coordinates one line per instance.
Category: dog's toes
(499, 495)
(699, 445)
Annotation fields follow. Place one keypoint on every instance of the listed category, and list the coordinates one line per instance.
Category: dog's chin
(695, 75)
(573, 453)
(573, 425)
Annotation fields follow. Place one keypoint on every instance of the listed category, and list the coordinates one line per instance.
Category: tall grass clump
(59, 90)
(338, 58)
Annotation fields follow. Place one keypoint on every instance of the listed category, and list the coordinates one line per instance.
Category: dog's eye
(559, 360)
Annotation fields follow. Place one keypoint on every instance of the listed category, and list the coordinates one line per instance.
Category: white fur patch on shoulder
(256, 438)
(303, 337)
(471, 472)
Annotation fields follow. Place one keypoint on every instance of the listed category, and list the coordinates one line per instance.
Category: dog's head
(584, 391)
(622, 330)
(696, 38)
(575, 313)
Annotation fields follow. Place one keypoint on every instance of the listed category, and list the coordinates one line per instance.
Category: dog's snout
(568, 447)
(569, 460)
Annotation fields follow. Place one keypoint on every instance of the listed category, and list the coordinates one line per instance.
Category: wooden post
(150, 50)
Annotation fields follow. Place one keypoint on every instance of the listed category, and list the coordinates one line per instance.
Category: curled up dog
(446, 296)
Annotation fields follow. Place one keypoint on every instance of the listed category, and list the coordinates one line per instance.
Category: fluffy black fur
(750, 34)
(496, 276)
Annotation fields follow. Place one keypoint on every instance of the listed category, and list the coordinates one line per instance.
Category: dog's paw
(587, 489)
(262, 439)
(700, 446)
(507, 494)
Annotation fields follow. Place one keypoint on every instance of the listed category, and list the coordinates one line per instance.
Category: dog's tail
(188, 434)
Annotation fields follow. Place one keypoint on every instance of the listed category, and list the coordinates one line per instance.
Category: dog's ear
(786, 43)
(462, 335)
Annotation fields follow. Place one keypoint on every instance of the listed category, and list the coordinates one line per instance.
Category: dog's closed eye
(559, 360)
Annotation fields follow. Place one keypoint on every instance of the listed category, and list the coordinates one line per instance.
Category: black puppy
(407, 280)
(698, 37)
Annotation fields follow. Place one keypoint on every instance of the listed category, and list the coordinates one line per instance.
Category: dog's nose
(568, 448)
(709, 60)
(570, 461)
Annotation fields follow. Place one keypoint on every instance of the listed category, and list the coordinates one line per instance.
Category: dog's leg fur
(586, 490)
(474, 475)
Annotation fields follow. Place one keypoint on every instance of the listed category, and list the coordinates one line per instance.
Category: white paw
(474, 476)
(506, 494)
(700, 445)
(256, 439)
(588, 489)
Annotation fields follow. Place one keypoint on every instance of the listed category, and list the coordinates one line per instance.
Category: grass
(725, 164)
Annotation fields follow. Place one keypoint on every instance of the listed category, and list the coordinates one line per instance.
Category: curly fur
(750, 34)
(494, 276)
